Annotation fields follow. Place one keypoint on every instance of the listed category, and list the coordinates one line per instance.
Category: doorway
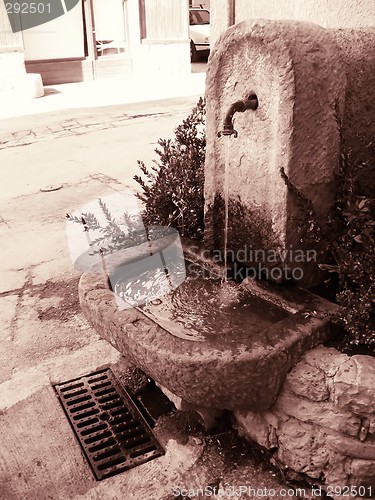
(106, 27)
(88, 42)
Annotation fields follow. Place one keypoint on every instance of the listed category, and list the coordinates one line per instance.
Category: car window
(198, 17)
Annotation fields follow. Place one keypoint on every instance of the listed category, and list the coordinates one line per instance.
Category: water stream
(204, 307)
(226, 202)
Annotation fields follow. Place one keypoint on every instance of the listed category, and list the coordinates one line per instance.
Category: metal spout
(237, 107)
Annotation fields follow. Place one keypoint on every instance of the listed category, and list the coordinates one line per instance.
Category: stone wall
(323, 423)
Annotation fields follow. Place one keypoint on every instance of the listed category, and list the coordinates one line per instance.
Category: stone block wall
(323, 423)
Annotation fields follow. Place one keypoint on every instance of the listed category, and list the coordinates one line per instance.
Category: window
(164, 19)
(199, 17)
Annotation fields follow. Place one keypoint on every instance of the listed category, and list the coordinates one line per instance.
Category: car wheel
(193, 52)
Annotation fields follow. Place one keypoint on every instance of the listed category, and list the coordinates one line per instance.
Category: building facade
(100, 38)
(339, 14)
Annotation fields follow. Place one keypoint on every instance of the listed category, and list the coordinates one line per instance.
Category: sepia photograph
(187, 243)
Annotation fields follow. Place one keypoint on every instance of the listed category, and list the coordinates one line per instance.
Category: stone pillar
(283, 162)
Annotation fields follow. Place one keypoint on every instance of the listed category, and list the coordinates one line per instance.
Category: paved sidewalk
(106, 92)
(64, 128)
(76, 109)
(23, 131)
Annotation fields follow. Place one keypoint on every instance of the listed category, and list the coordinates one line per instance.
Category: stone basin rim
(176, 347)
(198, 372)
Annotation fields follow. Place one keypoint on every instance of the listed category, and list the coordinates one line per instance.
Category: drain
(112, 432)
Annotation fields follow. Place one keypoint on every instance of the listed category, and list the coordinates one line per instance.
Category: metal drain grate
(110, 429)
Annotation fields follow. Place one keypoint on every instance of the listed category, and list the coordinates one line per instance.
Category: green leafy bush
(172, 189)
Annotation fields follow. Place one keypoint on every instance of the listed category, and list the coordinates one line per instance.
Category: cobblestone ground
(66, 128)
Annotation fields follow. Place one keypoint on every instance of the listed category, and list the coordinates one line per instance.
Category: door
(110, 50)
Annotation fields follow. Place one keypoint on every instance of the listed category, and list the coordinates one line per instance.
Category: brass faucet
(237, 107)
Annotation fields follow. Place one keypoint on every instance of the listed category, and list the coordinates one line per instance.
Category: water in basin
(203, 308)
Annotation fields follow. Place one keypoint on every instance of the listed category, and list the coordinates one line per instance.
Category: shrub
(172, 192)
(352, 251)
(346, 244)
(172, 189)
(113, 235)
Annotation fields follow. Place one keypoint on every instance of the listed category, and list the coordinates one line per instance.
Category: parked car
(199, 28)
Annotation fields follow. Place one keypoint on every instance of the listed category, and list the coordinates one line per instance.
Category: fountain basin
(231, 373)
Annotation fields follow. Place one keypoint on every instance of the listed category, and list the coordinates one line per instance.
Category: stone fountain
(291, 133)
(282, 165)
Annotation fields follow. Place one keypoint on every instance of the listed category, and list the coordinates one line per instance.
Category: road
(65, 148)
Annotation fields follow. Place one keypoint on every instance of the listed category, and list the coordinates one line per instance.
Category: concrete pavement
(44, 338)
(67, 146)
(136, 88)
(22, 131)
